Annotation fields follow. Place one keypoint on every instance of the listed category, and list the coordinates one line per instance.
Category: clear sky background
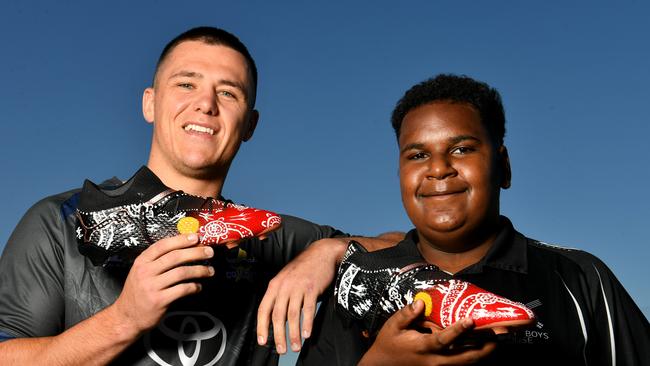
(573, 75)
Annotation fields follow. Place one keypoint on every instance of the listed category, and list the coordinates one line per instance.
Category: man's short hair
(212, 36)
(455, 89)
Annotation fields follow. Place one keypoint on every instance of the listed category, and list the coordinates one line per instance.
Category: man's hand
(297, 287)
(159, 276)
(397, 344)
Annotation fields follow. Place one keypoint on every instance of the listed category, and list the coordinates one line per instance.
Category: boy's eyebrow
(412, 146)
(460, 138)
(452, 141)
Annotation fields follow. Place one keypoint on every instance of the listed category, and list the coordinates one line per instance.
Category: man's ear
(253, 117)
(504, 164)
(148, 104)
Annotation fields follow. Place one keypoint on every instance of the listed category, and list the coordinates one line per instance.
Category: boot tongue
(141, 187)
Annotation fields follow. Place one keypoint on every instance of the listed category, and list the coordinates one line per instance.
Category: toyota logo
(187, 332)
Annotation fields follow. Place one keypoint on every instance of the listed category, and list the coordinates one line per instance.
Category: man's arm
(157, 278)
(297, 287)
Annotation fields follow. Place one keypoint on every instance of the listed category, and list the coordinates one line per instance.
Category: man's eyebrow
(187, 74)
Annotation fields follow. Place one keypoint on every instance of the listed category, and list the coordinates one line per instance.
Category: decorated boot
(372, 286)
(450, 301)
(115, 224)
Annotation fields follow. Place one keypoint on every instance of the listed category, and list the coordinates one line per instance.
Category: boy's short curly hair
(455, 89)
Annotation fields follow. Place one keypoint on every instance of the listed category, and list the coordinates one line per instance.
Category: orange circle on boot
(187, 225)
(426, 299)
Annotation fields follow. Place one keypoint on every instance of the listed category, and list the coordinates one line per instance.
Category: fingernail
(306, 333)
(414, 304)
(467, 322)
(280, 349)
(295, 347)
(199, 286)
(211, 270)
(261, 341)
(208, 251)
(192, 237)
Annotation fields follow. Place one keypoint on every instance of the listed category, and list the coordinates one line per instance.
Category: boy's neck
(452, 257)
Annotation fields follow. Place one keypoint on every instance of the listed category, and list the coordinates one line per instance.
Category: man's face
(450, 172)
(199, 109)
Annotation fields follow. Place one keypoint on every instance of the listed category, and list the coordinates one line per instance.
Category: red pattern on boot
(228, 223)
(453, 300)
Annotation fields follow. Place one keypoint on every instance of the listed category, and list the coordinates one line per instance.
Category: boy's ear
(504, 164)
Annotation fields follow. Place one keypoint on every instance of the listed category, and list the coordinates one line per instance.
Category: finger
(182, 256)
(180, 290)
(164, 246)
(265, 310)
(444, 338)
(278, 317)
(293, 314)
(470, 356)
(308, 313)
(183, 273)
(407, 315)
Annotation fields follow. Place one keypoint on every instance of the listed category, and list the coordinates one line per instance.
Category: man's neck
(198, 185)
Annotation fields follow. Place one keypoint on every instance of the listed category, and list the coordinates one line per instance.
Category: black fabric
(584, 315)
(47, 286)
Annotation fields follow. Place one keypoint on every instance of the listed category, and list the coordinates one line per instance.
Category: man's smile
(198, 128)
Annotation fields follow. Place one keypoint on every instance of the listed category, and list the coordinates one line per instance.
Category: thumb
(403, 318)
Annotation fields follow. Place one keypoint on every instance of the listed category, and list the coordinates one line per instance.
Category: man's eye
(228, 94)
(186, 85)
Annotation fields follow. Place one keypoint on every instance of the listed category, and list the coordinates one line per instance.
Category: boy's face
(450, 173)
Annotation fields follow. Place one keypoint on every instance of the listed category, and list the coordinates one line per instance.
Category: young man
(178, 303)
(452, 166)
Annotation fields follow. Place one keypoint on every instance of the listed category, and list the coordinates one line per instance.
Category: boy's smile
(450, 175)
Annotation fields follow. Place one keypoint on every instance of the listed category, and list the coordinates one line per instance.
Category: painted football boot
(114, 225)
(450, 301)
(371, 286)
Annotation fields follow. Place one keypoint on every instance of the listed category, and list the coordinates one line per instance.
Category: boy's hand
(396, 343)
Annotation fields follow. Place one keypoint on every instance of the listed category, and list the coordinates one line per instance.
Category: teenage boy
(452, 166)
(179, 303)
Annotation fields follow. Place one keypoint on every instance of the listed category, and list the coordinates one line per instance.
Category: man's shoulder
(66, 202)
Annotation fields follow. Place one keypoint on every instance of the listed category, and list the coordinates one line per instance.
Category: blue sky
(573, 77)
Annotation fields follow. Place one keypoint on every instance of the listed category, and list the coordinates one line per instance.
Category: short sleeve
(31, 274)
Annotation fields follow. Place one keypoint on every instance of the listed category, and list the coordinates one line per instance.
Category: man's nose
(207, 103)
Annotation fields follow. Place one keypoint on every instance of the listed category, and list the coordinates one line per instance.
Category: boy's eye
(417, 156)
(461, 150)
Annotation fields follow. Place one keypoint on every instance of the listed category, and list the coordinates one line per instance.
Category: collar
(508, 252)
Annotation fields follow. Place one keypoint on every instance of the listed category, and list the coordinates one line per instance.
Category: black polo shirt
(584, 315)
